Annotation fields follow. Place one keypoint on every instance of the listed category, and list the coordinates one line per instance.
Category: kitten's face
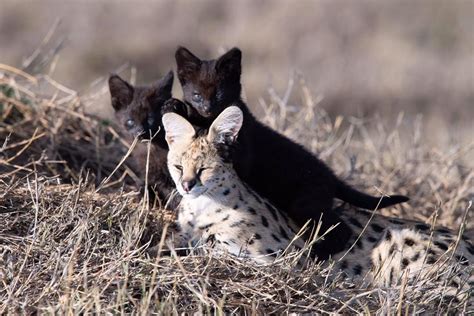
(138, 109)
(209, 86)
(195, 167)
(197, 163)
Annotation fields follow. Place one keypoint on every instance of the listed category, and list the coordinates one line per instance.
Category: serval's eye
(200, 170)
(197, 97)
(179, 168)
(129, 123)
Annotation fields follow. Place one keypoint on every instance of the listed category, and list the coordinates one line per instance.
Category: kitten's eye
(129, 123)
(150, 120)
(197, 97)
(180, 168)
(200, 170)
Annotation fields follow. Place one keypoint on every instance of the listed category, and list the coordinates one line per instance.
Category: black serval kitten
(138, 111)
(291, 177)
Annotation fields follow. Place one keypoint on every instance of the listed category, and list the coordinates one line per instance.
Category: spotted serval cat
(384, 250)
(218, 206)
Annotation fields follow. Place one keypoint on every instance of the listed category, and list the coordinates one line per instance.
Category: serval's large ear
(226, 126)
(121, 92)
(177, 129)
(188, 64)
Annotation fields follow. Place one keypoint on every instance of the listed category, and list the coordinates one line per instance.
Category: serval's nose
(188, 185)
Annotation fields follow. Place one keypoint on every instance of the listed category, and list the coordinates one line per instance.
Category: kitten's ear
(165, 84)
(121, 92)
(187, 63)
(161, 89)
(226, 126)
(230, 63)
(177, 129)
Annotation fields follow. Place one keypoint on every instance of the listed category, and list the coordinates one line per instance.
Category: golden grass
(66, 247)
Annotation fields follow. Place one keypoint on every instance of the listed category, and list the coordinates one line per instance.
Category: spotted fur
(384, 250)
(219, 207)
(223, 209)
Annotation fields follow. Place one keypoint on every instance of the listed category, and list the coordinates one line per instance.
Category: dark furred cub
(138, 111)
(279, 169)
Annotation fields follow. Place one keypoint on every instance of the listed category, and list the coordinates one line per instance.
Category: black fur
(286, 173)
(144, 105)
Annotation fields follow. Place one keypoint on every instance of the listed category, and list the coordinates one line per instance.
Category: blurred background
(358, 57)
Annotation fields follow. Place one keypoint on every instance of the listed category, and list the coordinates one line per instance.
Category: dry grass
(67, 247)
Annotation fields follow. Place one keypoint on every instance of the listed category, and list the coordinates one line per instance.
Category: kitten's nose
(188, 185)
(206, 107)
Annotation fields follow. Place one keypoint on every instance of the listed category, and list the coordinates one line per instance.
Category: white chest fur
(198, 209)
(196, 215)
(240, 226)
